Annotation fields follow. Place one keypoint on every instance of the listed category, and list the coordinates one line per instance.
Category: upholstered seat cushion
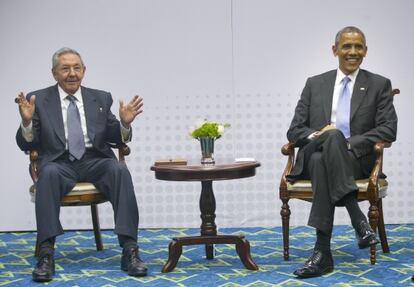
(305, 185)
(81, 188)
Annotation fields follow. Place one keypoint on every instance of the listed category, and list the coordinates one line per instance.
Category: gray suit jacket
(48, 130)
(373, 117)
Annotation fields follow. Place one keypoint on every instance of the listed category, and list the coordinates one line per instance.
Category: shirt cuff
(125, 134)
(27, 132)
(312, 136)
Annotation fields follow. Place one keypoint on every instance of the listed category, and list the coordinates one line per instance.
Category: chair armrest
(288, 150)
(123, 150)
(395, 92)
(33, 155)
(372, 189)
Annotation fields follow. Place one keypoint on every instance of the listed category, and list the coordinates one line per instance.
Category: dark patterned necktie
(343, 110)
(76, 142)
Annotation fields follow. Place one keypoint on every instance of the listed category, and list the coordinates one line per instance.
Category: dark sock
(47, 247)
(127, 242)
(323, 240)
(351, 203)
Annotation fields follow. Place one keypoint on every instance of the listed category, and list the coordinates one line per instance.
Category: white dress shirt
(338, 86)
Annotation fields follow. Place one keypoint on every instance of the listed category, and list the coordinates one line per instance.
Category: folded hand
(325, 128)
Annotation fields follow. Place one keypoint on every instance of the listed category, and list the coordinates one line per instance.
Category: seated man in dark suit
(341, 114)
(71, 126)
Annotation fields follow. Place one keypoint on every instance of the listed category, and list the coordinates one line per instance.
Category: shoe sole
(124, 267)
(327, 270)
(42, 279)
(368, 244)
(138, 274)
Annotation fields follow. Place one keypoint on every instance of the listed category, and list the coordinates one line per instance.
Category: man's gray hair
(349, 29)
(62, 51)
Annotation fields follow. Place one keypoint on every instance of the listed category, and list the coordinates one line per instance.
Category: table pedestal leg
(208, 208)
(242, 248)
(209, 235)
(175, 249)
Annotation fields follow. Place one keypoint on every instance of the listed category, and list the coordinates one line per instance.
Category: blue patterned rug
(79, 264)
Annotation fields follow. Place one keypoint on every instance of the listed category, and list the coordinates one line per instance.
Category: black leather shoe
(44, 269)
(131, 262)
(365, 235)
(319, 263)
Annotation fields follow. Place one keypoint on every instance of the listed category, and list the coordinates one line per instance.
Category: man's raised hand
(128, 112)
(26, 108)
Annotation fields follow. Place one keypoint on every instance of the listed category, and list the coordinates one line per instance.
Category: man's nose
(72, 71)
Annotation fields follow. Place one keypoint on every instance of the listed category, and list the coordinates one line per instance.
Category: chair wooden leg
(373, 216)
(96, 227)
(285, 213)
(381, 229)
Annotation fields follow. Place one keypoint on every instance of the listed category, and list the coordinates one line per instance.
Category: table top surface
(205, 172)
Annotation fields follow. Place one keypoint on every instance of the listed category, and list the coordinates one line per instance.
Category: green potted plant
(207, 132)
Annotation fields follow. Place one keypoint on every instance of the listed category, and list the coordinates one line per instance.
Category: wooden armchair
(84, 193)
(373, 189)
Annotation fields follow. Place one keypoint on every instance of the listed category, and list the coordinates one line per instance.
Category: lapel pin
(100, 109)
(362, 88)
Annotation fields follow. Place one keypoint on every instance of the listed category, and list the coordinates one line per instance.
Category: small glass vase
(207, 150)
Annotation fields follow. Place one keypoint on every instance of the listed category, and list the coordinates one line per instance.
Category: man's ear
(334, 50)
(53, 73)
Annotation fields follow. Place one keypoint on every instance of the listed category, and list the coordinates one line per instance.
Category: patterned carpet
(79, 264)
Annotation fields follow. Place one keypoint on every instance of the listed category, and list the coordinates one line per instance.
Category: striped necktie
(343, 110)
(76, 141)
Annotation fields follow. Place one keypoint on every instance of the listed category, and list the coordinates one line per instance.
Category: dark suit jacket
(48, 130)
(373, 117)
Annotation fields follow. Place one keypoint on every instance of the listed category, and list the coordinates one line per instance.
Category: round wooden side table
(207, 174)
